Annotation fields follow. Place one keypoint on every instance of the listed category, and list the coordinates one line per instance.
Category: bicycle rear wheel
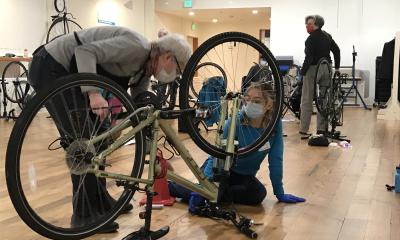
(239, 56)
(14, 81)
(323, 88)
(59, 27)
(47, 159)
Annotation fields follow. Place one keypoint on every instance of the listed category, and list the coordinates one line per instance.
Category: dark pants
(73, 120)
(243, 189)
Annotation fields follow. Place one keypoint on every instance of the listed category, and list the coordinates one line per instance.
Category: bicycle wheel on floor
(14, 82)
(60, 27)
(47, 159)
(239, 55)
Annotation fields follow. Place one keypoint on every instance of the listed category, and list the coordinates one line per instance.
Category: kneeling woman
(244, 187)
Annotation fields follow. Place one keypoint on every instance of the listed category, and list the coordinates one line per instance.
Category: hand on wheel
(98, 105)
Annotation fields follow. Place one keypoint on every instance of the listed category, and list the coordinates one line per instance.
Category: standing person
(318, 45)
(123, 56)
(243, 185)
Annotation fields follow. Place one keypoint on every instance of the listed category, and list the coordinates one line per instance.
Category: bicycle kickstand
(144, 233)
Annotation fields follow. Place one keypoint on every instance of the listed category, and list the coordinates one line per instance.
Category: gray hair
(318, 20)
(175, 44)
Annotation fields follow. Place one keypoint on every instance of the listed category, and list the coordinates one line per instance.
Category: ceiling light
(215, 20)
(166, 2)
(191, 13)
(254, 11)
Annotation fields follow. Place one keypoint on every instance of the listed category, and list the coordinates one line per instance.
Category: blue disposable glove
(288, 198)
(195, 201)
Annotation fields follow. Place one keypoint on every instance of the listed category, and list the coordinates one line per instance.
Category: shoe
(321, 132)
(126, 209)
(304, 135)
(112, 227)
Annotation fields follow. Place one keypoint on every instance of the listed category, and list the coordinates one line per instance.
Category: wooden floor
(344, 188)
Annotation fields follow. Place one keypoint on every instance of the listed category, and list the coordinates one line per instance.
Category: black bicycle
(329, 97)
(15, 87)
(292, 85)
(62, 23)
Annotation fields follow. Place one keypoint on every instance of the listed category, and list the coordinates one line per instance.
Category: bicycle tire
(235, 39)
(18, 93)
(195, 93)
(14, 161)
(323, 100)
(60, 20)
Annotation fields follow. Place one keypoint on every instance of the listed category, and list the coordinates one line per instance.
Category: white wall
(175, 24)
(24, 23)
(367, 24)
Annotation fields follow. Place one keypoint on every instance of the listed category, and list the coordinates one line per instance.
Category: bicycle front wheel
(60, 27)
(48, 159)
(240, 56)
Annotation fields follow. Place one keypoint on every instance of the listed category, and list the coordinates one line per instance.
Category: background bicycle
(329, 98)
(62, 23)
(15, 89)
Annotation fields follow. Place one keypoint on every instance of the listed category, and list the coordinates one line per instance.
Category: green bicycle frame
(205, 187)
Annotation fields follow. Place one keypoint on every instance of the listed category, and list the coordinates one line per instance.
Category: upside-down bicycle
(39, 174)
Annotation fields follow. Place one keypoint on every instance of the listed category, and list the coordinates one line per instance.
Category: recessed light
(166, 2)
(215, 20)
(191, 13)
(254, 11)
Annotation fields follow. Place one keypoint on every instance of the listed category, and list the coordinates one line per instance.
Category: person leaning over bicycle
(318, 45)
(123, 56)
(244, 187)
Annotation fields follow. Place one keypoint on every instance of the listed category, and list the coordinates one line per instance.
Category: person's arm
(309, 56)
(275, 160)
(336, 54)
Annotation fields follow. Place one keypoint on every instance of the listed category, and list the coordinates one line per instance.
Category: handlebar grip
(250, 233)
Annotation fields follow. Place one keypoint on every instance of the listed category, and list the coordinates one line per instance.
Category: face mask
(309, 28)
(253, 110)
(165, 77)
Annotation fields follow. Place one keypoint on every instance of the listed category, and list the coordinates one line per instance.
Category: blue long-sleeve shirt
(250, 163)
